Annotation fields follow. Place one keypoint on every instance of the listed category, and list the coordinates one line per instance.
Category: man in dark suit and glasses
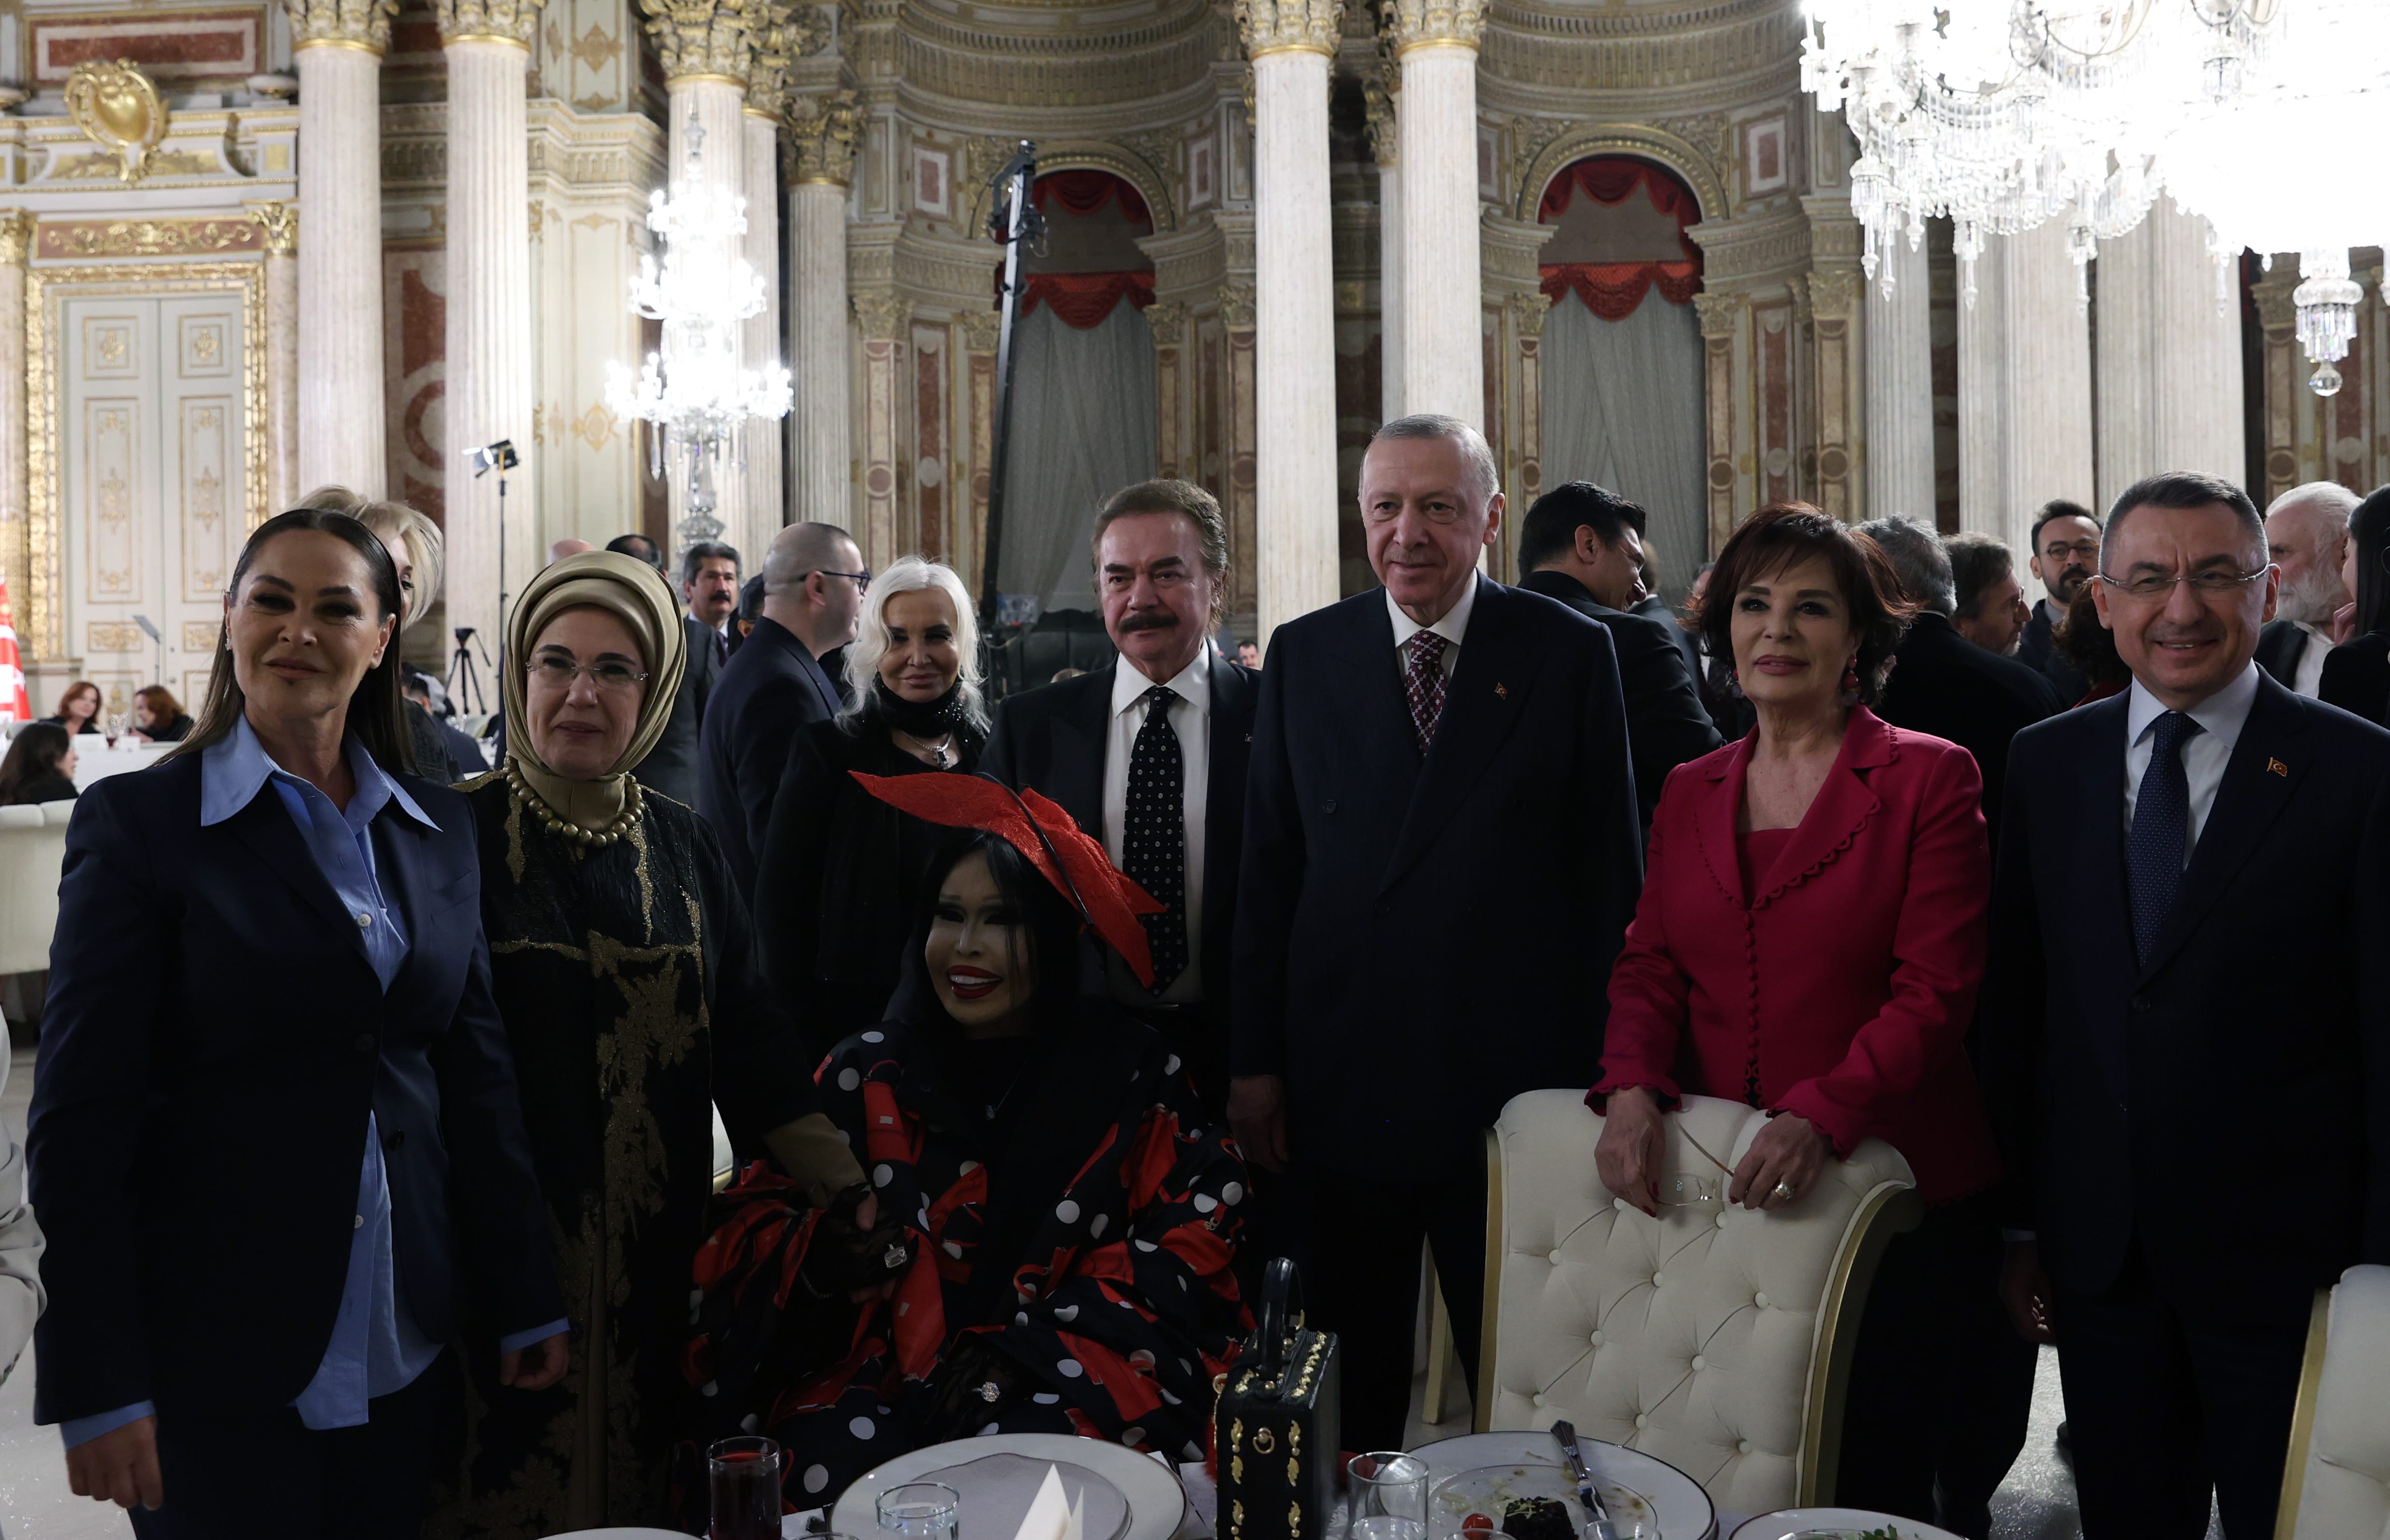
(775, 684)
(1582, 545)
(2186, 1026)
(2065, 542)
(1149, 755)
(1441, 857)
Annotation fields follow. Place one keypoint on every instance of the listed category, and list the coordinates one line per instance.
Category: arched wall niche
(1678, 157)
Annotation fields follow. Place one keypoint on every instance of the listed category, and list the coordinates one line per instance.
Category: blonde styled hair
(427, 548)
(912, 574)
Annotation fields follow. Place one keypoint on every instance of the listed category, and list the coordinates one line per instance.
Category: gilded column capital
(777, 43)
(341, 23)
(822, 132)
(882, 316)
(1429, 23)
(486, 20)
(1237, 306)
(1378, 103)
(1167, 319)
(1528, 313)
(713, 38)
(16, 237)
(281, 224)
(1276, 26)
(1720, 312)
(983, 328)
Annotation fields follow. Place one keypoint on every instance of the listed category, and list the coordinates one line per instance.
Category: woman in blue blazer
(279, 1188)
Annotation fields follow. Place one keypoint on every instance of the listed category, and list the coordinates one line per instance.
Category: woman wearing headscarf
(622, 963)
(836, 877)
(1072, 1218)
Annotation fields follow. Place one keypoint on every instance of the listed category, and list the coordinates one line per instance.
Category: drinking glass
(1691, 1191)
(1389, 1495)
(920, 1510)
(742, 1479)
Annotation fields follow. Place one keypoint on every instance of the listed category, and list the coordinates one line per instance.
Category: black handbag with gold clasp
(1275, 1429)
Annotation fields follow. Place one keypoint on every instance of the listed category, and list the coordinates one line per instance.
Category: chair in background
(33, 852)
(1715, 1337)
(2336, 1482)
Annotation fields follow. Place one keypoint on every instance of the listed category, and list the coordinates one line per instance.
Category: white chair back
(2336, 1483)
(32, 851)
(1716, 1339)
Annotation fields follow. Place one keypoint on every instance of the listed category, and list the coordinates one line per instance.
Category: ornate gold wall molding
(118, 109)
(1267, 25)
(279, 223)
(823, 134)
(1643, 47)
(351, 23)
(1547, 147)
(81, 239)
(16, 237)
(43, 626)
(1378, 89)
(985, 54)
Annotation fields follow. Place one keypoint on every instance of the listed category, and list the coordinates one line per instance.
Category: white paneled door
(156, 495)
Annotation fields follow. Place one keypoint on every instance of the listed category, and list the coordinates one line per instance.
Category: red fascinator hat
(1048, 838)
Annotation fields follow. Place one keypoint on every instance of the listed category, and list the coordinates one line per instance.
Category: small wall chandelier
(692, 393)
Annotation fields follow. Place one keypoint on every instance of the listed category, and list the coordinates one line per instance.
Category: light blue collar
(235, 769)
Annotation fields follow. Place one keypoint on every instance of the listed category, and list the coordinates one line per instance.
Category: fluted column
(16, 247)
(2024, 386)
(762, 345)
(822, 135)
(1900, 389)
(1385, 141)
(1290, 42)
(336, 45)
(1444, 348)
(279, 221)
(490, 374)
(2169, 368)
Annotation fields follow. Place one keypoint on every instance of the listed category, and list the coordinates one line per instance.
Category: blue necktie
(2153, 855)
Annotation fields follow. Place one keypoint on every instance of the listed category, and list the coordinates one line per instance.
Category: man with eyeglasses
(2066, 545)
(2186, 1026)
(776, 683)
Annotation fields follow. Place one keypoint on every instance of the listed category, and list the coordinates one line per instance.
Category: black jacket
(199, 1119)
(2356, 676)
(2037, 649)
(1947, 686)
(671, 765)
(1053, 739)
(2281, 647)
(1665, 724)
(1419, 939)
(2119, 1087)
(771, 688)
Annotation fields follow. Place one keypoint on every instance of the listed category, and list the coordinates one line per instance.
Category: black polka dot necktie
(1153, 847)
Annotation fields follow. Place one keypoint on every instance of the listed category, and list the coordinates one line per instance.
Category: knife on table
(1565, 1432)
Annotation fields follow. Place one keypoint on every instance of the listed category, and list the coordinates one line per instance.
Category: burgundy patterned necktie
(1424, 684)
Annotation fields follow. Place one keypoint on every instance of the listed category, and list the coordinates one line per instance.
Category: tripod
(464, 683)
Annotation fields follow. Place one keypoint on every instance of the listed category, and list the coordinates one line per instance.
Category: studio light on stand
(464, 683)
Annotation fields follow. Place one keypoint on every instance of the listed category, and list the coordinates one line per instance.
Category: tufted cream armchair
(1716, 1339)
(33, 852)
(2336, 1483)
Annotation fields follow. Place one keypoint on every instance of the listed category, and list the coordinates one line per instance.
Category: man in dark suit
(2065, 552)
(774, 684)
(1164, 788)
(2187, 1025)
(671, 765)
(709, 586)
(1582, 544)
(1441, 856)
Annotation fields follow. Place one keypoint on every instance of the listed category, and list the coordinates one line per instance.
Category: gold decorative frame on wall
(42, 559)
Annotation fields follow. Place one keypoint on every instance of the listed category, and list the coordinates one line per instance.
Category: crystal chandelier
(693, 393)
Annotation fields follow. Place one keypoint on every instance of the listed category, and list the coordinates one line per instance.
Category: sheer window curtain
(1083, 427)
(1622, 408)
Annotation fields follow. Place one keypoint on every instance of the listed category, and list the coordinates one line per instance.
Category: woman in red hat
(1054, 1224)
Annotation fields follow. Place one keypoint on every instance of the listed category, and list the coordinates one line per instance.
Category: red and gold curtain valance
(1612, 289)
(1082, 299)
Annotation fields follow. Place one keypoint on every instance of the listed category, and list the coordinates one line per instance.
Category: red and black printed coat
(1071, 1208)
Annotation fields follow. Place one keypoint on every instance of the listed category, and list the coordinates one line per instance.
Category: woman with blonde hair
(420, 552)
(838, 867)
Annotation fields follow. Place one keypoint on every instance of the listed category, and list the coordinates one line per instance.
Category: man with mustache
(1148, 755)
(2307, 533)
(2185, 1024)
(2065, 543)
(1441, 854)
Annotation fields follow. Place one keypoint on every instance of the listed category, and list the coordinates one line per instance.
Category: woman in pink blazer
(1810, 940)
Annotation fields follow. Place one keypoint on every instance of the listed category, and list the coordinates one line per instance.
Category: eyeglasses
(862, 579)
(558, 672)
(2060, 550)
(2157, 585)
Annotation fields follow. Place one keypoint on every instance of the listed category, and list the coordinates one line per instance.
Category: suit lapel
(1714, 821)
(1231, 732)
(1840, 809)
(2267, 763)
(810, 666)
(1483, 702)
(265, 828)
(1081, 738)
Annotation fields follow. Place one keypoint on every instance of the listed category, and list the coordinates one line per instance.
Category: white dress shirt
(2204, 753)
(2310, 670)
(1190, 718)
(1453, 628)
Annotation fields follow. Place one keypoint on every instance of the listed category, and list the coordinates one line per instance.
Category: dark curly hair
(1783, 534)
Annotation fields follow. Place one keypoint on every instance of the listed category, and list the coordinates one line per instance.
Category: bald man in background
(774, 684)
(566, 547)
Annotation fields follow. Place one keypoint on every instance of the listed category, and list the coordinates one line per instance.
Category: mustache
(1149, 619)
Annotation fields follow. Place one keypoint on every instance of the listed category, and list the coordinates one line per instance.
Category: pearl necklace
(531, 802)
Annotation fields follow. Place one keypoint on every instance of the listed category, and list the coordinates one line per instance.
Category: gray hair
(1918, 559)
(912, 574)
(693, 561)
(1485, 479)
(2333, 502)
(799, 551)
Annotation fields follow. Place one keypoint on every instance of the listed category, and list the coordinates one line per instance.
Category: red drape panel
(1612, 289)
(1082, 299)
(1084, 192)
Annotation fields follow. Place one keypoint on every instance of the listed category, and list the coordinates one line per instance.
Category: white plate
(1157, 1504)
(1685, 1510)
(1857, 1521)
